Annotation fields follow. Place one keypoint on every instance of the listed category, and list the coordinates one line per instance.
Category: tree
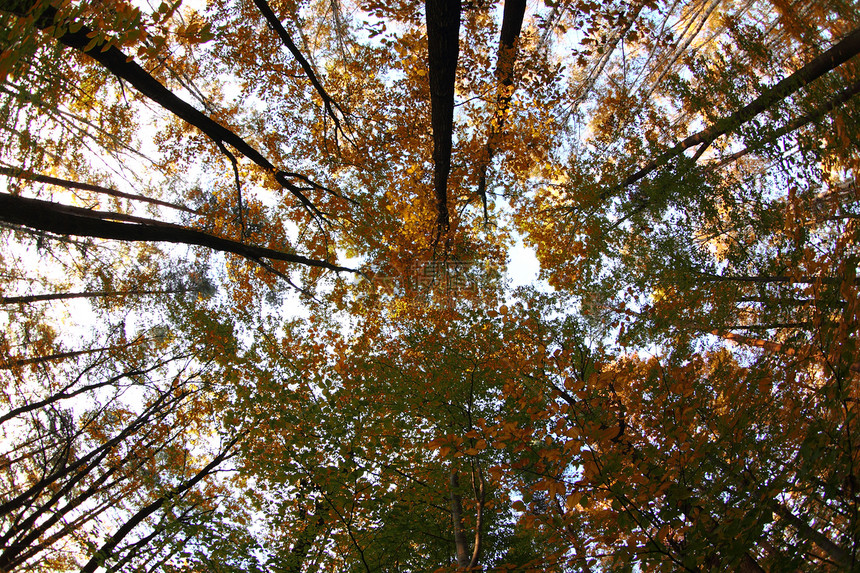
(254, 287)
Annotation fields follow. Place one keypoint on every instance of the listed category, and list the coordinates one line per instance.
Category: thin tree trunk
(775, 347)
(17, 363)
(480, 497)
(30, 176)
(512, 23)
(66, 220)
(64, 393)
(273, 21)
(460, 543)
(768, 345)
(843, 51)
(80, 468)
(767, 279)
(305, 539)
(107, 549)
(443, 43)
(27, 299)
(12, 555)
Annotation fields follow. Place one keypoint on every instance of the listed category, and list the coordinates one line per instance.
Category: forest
(266, 303)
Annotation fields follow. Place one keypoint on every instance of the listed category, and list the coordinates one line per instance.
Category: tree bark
(460, 542)
(65, 393)
(25, 498)
(443, 43)
(768, 279)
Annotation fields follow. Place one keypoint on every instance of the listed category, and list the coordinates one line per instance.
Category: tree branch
(273, 21)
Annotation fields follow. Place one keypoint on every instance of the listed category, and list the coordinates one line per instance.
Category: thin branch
(235, 165)
(273, 21)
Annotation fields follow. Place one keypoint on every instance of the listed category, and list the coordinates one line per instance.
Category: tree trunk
(107, 549)
(17, 363)
(30, 176)
(66, 220)
(512, 23)
(843, 51)
(831, 104)
(27, 299)
(833, 551)
(443, 44)
(282, 33)
(460, 543)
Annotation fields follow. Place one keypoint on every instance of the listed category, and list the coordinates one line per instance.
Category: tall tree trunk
(66, 392)
(512, 23)
(840, 98)
(443, 44)
(66, 220)
(843, 51)
(776, 347)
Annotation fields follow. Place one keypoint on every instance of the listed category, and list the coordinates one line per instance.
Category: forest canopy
(264, 305)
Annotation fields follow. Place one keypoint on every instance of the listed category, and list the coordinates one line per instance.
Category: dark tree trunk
(31, 298)
(125, 68)
(443, 37)
(840, 53)
(512, 23)
(66, 220)
(273, 21)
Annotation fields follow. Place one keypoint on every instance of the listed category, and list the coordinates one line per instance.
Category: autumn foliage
(265, 301)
